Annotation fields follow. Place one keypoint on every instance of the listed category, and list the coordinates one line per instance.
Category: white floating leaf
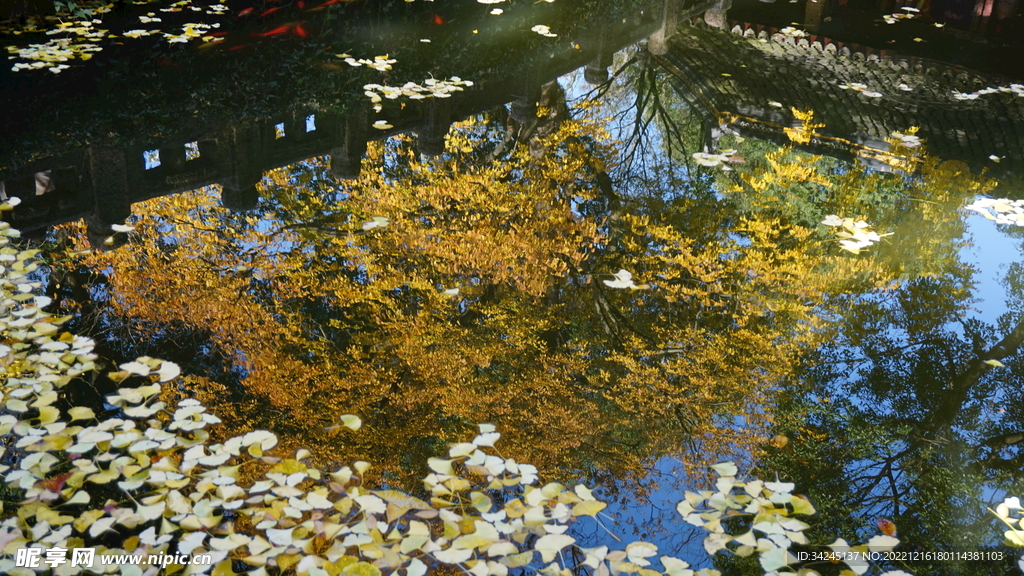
(551, 544)
(168, 371)
(81, 413)
(725, 469)
(882, 543)
(136, 368)
(487, 439)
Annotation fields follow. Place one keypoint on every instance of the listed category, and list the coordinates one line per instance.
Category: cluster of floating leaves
(907, 14)
(193, 31)
(910, 139)
(82, 37)
(769, 525)
(793, 32)
(862, 89)
(543, 31)
(1017, 89)
(1009, 512)
(855, 235)
(431, 88)
(379, 63)
(215, 9)
(1000, 210)
(152, 476)
(721, 159)
(53, 54)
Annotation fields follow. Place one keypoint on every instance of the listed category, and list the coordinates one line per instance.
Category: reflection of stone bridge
(745, 79)
(101, 183)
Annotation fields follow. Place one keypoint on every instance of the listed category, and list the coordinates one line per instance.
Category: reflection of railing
(100, 183)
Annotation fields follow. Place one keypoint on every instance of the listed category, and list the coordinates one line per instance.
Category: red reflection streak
(274, 32)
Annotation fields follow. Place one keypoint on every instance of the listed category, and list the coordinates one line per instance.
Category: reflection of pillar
(982, 12)
(524, 107)
(814, 12)
(596, 71)
(657, 44)
(717, 15)
(347, 157)
(108, 172)
(437, 122)
(247, 151)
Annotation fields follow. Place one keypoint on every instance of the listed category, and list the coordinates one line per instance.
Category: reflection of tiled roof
(743, 71)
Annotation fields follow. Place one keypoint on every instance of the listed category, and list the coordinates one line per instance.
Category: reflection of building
(748, 78)
(100, 183)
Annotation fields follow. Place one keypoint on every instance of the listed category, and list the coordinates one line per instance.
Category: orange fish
(274, 32)
(887, 527)
(438, 20)
(233, 48)
(245, 12)
(301, 5)
(270, 11)
(300, 31)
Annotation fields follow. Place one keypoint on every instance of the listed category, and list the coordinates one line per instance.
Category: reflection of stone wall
(739, 74)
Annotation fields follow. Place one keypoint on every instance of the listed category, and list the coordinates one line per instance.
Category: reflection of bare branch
(943, 416)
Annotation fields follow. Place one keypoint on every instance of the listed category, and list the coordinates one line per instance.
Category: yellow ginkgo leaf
(588, 508)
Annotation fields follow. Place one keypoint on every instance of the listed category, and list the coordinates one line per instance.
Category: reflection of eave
(705, 67)
(702, 97)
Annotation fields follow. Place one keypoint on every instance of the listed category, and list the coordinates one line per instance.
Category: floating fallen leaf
(623, 279)
(376, 222)
(725, 469)
(382, 125)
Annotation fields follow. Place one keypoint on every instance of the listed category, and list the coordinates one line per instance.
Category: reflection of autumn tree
(908, 416)
(328, 316)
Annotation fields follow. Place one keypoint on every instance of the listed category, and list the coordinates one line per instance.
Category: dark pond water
(639, 239)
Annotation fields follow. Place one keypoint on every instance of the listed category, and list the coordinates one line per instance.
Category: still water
(637, 239)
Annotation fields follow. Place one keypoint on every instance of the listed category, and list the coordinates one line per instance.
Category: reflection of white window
(311, 123)
(191, 150)
(279, 130)
(152, 158)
